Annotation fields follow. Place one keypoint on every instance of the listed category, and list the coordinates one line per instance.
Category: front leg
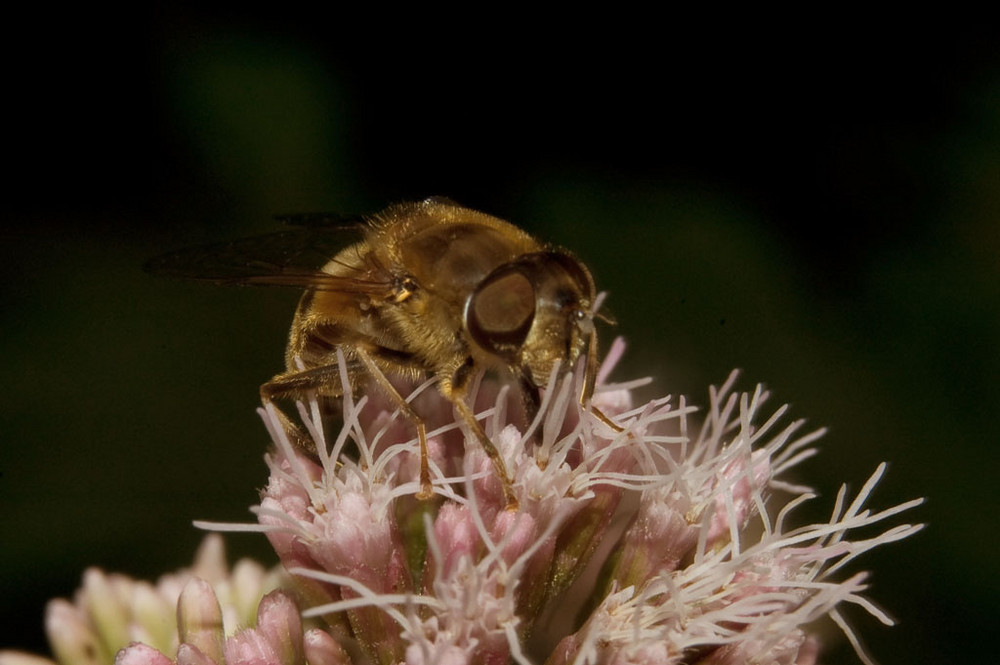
(454, 390)
(531, 398)
(589, 379)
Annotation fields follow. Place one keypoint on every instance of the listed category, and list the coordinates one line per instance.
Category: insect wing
(287, 258)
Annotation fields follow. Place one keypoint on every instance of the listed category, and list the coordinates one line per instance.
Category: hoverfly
(431, 289)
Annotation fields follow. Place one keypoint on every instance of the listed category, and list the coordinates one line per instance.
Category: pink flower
(460, 579)
(642, 543)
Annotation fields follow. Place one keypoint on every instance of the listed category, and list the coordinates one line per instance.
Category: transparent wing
(286, 258)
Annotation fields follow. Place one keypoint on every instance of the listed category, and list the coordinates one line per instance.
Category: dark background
(817, 206)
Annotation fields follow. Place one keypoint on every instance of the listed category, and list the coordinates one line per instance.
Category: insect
(431, 289)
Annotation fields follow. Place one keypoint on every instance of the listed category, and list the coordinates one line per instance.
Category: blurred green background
(817, 207)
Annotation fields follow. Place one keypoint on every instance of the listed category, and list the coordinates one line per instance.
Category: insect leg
(295, 385)
(426, 488)
(531, 399)
(454, 390)
(589, 378)
(491, 451)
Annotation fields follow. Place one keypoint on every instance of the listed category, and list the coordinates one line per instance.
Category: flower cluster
(194, 607)
(650, 541)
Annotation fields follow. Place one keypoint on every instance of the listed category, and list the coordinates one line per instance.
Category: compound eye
(501, 311)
